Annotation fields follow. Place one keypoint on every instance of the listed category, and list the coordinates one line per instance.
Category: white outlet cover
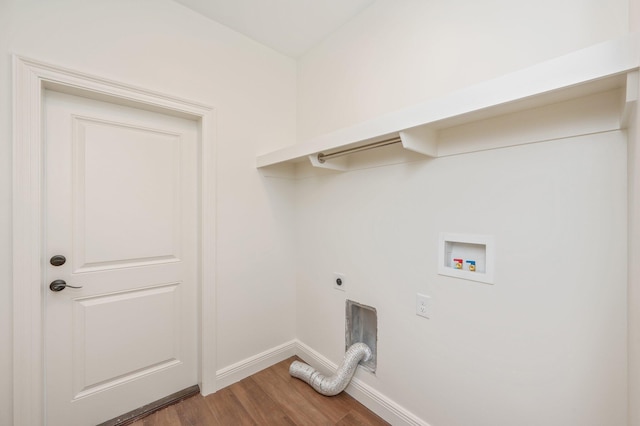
(343, 282)
(423, 305)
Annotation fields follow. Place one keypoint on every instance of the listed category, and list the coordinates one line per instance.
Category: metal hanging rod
(322, 157)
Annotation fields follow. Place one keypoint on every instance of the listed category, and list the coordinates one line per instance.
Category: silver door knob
(59, 285)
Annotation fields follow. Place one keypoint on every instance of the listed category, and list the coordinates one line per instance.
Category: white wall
(400, 52)
(547, 343)
(163, 46)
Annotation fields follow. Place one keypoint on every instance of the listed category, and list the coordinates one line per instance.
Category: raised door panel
(114, 343)
(126, 195)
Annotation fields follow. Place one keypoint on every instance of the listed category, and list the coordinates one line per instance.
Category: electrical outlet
(339, 281)
(423, 305)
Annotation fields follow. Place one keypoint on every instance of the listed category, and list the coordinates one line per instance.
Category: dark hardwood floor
(270, 397)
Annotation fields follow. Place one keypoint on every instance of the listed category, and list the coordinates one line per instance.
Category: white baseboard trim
(234, 373)
(362, 392)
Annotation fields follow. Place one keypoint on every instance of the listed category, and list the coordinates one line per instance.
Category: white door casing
(120, 188)
(31, 78)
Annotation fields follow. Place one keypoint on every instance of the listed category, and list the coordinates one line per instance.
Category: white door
(121, 207)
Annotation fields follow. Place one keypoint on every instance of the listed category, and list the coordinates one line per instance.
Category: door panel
(121, 205)
(106, 323)
(131, 217)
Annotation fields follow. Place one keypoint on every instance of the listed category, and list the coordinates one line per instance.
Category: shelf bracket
(422, 140)
(339, 164)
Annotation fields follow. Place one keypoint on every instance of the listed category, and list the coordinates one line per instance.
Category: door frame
(30, 79)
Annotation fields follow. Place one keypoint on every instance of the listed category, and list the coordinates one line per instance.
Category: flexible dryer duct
(335, 384)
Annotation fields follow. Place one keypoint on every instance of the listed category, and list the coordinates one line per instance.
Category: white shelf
(597, 69)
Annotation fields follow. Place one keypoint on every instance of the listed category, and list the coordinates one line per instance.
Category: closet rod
(322, 157)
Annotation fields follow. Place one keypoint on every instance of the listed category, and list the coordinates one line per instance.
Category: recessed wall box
(466, 256)
(361, 325)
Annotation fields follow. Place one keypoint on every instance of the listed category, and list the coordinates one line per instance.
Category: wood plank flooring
(269, 397)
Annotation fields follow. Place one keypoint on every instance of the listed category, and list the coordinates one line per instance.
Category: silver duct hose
(335, 384)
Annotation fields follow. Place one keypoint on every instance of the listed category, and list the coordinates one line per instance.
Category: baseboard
(245, 368)
(362, 392)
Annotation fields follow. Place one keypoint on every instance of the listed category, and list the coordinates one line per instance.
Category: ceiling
(289, 26)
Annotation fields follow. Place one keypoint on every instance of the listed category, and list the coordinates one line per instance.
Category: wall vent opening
(362, 327)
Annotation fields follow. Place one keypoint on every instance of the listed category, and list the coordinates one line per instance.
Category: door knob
(57, 260)
(59, 285)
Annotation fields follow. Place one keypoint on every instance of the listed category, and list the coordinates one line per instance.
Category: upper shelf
(600, 68)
